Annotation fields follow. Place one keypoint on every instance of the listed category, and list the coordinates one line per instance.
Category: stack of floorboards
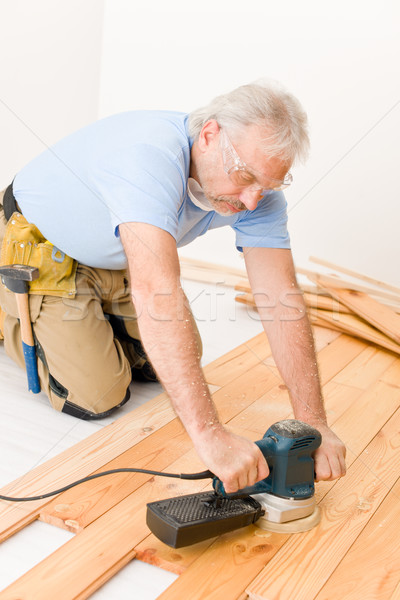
(360, 306)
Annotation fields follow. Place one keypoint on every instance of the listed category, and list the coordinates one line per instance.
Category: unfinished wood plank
(271, 407)
(366, 573)
(275, 406)
(148, 547)
(236, 396)
(238, 361)
(366, 368)
(151, 549)
(353, 325)
(266, 410)
(151, 489)
(103, 546)
(80, 506)
(326, 281)
(223, 570)
(323, 337)
(85, 562)
(79, 461)
(333, 357)
(212, 564)
(243, 286)
(324, 302)
(355, 274)
(392, 375)
(362, 419)
(93, 453)
(382, 317)
(379, 315)
(344, 407)
(389, 300)
(176, 560)
(155, 552)
(331, 360)
(316, 321)
(341, 404)
(306, 562)
(76, 508)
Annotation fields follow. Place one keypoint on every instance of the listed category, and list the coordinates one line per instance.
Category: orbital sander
(283, 502)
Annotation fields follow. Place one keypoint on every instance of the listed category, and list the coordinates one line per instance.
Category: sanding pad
(296, 526)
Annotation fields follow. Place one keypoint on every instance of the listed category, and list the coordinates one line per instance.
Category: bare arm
(166, 328)
(283, 313)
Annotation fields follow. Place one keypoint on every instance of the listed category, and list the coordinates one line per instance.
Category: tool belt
(23, 243)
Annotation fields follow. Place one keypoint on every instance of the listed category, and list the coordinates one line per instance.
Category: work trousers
(87, 345)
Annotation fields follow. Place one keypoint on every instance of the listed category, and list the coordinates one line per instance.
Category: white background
(64, 63)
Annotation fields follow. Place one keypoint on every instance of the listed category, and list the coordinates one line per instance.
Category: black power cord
(201, 475)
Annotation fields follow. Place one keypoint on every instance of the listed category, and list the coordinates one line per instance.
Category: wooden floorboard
(366, 573)
(306, 562)
(341, 405)
(362, 395)
(79, 506)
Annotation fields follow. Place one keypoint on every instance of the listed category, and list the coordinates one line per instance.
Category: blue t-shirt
(130, 167)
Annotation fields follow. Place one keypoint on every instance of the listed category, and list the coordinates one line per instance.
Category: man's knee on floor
(95, 399)
(91, 413)
(94, 404)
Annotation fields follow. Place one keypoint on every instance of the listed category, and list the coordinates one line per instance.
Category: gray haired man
(113, 202)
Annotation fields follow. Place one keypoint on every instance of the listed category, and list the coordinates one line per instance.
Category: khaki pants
(86, 345)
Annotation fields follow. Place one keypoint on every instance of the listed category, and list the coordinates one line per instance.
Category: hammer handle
(25, 319)
(28, 344)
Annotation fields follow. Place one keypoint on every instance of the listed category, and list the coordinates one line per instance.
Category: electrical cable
(201, 475)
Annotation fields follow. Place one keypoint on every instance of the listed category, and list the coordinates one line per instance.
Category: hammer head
(16, 277)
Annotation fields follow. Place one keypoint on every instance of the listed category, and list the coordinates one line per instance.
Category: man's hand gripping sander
(282, 502)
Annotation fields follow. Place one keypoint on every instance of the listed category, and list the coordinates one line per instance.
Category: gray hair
(262, 103)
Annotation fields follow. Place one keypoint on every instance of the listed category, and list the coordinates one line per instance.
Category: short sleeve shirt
(130, 167)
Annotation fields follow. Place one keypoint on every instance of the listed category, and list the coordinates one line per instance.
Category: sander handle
(288, 447)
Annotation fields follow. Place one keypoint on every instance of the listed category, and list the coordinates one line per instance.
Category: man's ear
(209, 134)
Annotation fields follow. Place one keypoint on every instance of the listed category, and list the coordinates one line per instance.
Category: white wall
(340, 58)
(49, 75)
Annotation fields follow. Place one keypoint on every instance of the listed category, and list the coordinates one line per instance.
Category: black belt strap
(9, 203)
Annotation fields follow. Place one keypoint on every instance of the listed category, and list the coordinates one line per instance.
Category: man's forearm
(168, 335)
(290, 336)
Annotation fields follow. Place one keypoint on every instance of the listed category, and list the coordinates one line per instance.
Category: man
(123, 193)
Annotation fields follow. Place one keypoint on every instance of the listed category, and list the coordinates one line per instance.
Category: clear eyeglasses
(239, 172)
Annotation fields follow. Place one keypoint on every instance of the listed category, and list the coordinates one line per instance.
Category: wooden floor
(354, 553)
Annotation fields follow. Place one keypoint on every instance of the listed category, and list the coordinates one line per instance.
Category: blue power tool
(282, 502)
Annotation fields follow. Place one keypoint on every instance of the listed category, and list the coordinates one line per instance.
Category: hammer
(16, 278)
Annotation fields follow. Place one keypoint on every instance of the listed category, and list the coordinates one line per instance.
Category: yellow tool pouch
(24, 244)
